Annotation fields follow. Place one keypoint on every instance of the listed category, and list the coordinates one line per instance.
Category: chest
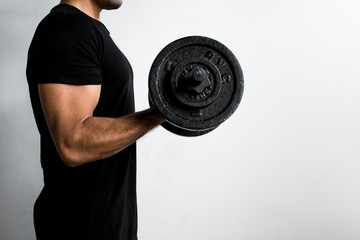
(116, 97)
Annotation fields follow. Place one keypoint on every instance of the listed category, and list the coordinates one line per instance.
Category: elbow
(70, 146)
(69, 156)
(71, 162)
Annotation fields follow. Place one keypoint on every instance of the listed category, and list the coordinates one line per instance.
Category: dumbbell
(196, 83)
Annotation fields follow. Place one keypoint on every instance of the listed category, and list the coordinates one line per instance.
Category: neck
(86, 6)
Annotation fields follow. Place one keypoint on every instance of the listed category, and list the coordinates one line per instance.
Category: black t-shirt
(95, 200)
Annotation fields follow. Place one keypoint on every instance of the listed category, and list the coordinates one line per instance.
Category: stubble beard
(109, 4)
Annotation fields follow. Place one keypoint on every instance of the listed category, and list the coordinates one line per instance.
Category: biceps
(65, 106)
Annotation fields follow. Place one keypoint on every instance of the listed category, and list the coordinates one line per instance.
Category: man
(81, 91)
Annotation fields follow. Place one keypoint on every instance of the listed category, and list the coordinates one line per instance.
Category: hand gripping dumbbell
(196, 83)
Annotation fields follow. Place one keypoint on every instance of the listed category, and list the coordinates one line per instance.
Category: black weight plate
(206, 108)
(180, 131)
(184, 132)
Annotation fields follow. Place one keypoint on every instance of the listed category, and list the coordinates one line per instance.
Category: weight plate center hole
(195, 82)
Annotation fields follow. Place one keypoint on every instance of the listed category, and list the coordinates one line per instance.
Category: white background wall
(284, 166)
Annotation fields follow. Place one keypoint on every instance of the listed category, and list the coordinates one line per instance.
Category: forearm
(96, 138)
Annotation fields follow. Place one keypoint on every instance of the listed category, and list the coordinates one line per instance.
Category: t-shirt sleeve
(67, 50)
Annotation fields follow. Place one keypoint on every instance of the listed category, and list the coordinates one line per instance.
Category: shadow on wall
(20, 171)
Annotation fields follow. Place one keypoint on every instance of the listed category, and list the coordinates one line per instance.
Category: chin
(109, 4)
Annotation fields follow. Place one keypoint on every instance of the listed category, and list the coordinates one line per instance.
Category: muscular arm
(79, 136)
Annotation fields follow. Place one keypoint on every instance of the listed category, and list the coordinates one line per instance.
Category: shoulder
(67, 32)
(65, 22)
(66, 43)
